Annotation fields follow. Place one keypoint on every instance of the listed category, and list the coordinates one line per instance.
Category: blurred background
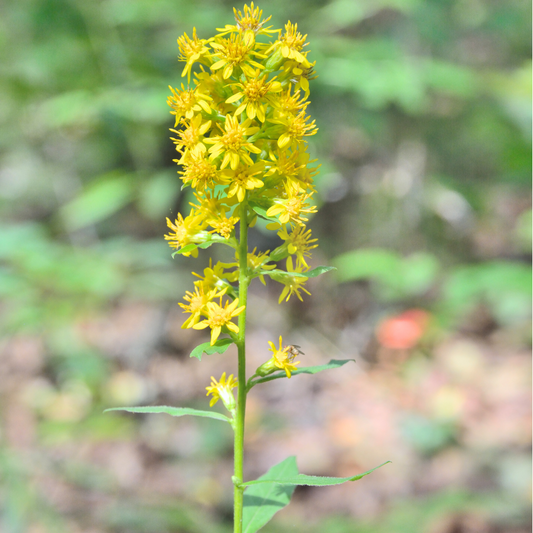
(424, 109)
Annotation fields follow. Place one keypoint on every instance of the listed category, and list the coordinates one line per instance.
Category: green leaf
(368, 263)
(262, 502)
(313, 481)
(212, 239)
(263, 213)
(99, 200)
(191, 247)
(334, 363)
(220, 346)
(172, 411)
(310, 274)
(397, 277)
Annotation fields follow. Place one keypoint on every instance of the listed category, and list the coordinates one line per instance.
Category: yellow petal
(284, 140)
(234, 161)
(234, 98)
(228, 71)
(215, 332)
(218, 64)
(226, 160)
(250, 110)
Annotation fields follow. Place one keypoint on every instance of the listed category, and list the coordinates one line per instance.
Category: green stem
(244, 281)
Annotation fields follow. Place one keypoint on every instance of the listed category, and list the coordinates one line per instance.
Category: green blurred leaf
(220, 346)
(418, 273)
(380, 264)
(396, 277)
(101, 199)
(158, 194)
(172, 411)
(505, 286)
(450, 79)
(262, 502)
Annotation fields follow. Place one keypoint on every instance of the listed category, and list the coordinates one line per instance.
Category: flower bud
(267, 368)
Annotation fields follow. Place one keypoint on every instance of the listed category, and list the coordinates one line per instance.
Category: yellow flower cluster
(240, 135)
(283, 358)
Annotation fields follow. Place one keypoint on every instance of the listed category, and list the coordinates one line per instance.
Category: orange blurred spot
(403, 331)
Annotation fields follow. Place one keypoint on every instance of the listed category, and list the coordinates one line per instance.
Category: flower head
(235, 53)
(185, 231)
(283, 357)
(291, 44)
(298, 242)
(221, 390)
(295, 127)
(219, 317)
(197, 302)
(244, 178)
(233, 143)
(191, 50)
(251, 20)
(293, 284)
(187, 102)
(292, 209)
(189, 139)
(256, 93)
(200, 172)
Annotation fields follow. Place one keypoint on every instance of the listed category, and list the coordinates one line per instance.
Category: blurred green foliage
(424, 110)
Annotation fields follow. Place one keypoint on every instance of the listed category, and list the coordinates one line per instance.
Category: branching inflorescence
(240, 134)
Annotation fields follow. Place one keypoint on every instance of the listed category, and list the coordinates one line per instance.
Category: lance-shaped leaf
(172, 411)
(309, 274)
(313, 481)
(220, 346)
(210, 240)
(262, 502)
(263, 213)
(334, 363)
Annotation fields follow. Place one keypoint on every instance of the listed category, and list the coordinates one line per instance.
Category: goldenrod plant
(240, 134)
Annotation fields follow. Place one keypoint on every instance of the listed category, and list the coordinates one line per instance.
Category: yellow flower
(221, 390)
(293, 284)
(294, 128)
(243, 179)
(249, 21)
(219, 317)
(290, 104)
(187, 102)
(213, 211)
(256, 262)
(190, 138)
(185, 231)
(235, 53)
(233, 144)
(256, 92)
(222, 224)
(200, 172)
(291, 44)
(286, 165)
(301, 75)
(192, 50)
(291, 209)
(298, 242)
(283, 358)
(214, 276)
(197, 302)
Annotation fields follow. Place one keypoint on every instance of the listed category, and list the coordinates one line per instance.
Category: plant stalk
(244, 281)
